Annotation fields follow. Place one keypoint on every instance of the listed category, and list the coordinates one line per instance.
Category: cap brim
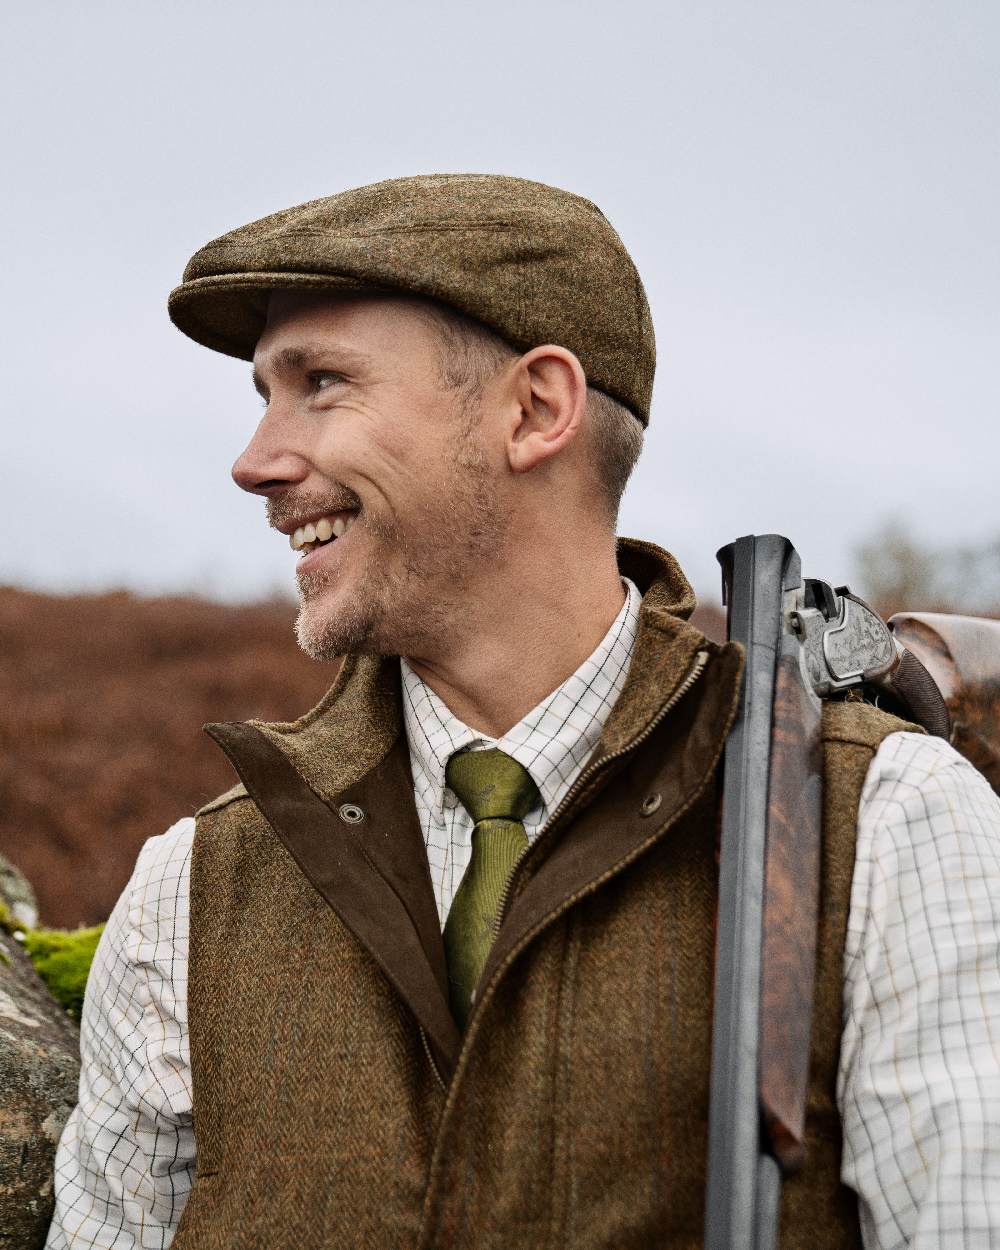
(228, 312)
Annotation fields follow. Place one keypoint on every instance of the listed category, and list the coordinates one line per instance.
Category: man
(437, 973)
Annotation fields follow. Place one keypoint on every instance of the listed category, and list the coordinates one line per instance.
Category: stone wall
(39, 1070)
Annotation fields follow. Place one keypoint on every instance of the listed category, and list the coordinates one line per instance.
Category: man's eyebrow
(330, 356)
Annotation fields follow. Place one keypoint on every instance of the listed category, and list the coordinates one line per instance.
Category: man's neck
(521, 646)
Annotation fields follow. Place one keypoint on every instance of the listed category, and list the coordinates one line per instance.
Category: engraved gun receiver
(845, 645)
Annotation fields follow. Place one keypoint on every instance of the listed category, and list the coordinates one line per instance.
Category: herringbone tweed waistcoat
(335, 1103)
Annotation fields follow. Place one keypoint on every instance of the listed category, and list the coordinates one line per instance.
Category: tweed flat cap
(535, 264)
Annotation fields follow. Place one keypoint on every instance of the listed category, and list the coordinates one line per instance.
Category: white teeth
(322, 531)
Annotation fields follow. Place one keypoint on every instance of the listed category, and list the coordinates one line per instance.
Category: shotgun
(804, 641)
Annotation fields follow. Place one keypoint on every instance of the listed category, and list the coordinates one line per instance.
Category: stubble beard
(413, 601)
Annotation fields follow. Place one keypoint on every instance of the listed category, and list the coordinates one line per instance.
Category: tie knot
(491, 785)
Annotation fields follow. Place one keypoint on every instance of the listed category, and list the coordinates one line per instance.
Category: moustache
(283, 509)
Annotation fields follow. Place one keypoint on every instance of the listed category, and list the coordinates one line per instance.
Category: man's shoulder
(163, 852)
(861, 724)
(232, 795)
(853, 734)
(904, 763)
(911, 769)
(150, 917)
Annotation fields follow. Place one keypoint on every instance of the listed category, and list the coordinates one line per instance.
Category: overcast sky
(811, 192)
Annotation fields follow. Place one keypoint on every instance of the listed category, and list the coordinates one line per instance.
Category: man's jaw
(334, 610)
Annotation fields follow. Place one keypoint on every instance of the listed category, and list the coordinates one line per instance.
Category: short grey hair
(471, 353)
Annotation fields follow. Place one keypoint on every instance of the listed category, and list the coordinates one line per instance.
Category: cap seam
(637, 289)
(307, 232)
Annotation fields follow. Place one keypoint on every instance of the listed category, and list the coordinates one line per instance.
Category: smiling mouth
(318, 533)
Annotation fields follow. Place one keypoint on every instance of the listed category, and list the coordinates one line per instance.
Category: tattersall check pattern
(553, 742)
(919, 1088)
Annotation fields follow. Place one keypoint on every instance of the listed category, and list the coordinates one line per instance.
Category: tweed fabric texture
(533, 263)
(307, 1017)
(576, 1115)
(372, 1212)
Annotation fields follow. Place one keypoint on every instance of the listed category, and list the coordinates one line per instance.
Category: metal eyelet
(650, 804)
(351, 814)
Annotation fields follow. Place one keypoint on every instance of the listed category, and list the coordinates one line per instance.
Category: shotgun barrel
(804, 641)
(768, 902)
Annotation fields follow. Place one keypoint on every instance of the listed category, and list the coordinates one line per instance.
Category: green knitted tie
(497, 792)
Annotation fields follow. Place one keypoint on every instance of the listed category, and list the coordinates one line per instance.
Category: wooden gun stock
(962, 654)
(791, 911)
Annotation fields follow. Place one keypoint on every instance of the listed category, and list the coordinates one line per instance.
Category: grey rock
(16, 892)
(39, 1071)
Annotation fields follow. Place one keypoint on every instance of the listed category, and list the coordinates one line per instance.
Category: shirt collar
(566, 725)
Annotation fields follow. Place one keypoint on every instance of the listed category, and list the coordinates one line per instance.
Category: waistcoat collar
(309, 778)
(357, 722)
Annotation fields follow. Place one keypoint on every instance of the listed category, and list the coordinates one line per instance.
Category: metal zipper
(430, 1059)
(698, 666)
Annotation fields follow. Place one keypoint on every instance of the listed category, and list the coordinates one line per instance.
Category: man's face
(360, 430)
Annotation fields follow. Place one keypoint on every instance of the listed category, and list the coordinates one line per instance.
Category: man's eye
(323, 381)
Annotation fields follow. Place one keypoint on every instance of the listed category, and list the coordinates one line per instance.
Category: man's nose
(269, 462)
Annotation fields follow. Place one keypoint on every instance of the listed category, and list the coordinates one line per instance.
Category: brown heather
(99, 691)
(100, 726)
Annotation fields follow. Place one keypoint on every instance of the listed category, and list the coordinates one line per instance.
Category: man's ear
(550, 390)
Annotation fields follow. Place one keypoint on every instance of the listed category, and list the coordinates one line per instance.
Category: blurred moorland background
(810, 192)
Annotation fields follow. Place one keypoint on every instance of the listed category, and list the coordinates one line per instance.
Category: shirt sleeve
(919, 1080)
(125, 1161)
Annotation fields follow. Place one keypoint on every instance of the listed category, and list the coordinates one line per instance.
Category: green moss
(62, 958)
